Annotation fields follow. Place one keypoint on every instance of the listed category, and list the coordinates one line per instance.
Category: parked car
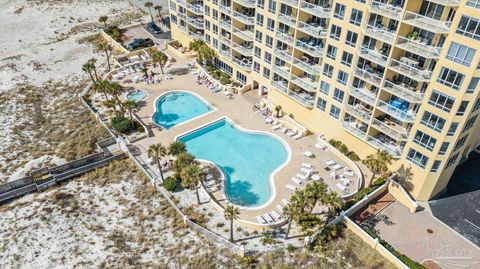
(153, 28)
(140, 43)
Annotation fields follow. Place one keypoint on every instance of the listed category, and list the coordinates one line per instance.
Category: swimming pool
(176, 107)
(247, 159)
(136, 95)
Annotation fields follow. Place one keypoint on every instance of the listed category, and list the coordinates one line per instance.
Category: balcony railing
(243, 50)
(280, 86)
(316, 10)
(195, 8)
(286, 38)
(391, 11)
(393, 130)
(292, 3)
(282, 71)
(288, 20)
(315, 31)
(305, 99)
(182, 2)
(244, 65)
(246, 3)
(373, 56)
(182, 28)
(226, 24)
(350, 127)
(246, 35)
(370, 77)
(363, 94)
(244, 18)
(283, 54)
(381, 34)
(403, 91)
(405, 116)
(410, 71)
(226, 40)
(448, 3)
(195, 35)
(393, 150)
(420, 48)
(426, 23)
(358, 112)
(305, 82)
(226, 53)
(225, 9)
(197, 23)
(309, 68)
(312, 50)
(182, 16)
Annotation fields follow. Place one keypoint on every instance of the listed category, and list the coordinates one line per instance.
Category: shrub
(121, 124)
(170, 183)
(353, 156)
(224, 80)
(343, 148)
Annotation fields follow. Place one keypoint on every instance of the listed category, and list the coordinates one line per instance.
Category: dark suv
(140, 43)
(153, 28)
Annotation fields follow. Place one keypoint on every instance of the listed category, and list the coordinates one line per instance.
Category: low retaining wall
(401, 195)
(116, 46)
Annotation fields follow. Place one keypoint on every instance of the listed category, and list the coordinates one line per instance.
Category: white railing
(357, 112)
(198, 9)
(280, 86)
(370, 77)
(195, 35)
(283, 54)
(309, 68)
(243, 50)
(373, 56)
(427, 23)
(405, 116)
(282, 71)
(302, 100)
(226, 40)
(410, 71)
(226, 53)
(316, 31)
(226, 10)
(246, 3)
(363, 94)
(288, 20)
(316, 10)
(243, 65)
(395, 151)
(352, 129)
(395, 133)
(247, 35)
(199, 24)
(448, 3)
(285, 38)
(403, 92)
(419, 48)
(292, 3)
(315, 51)
(305, 82)
(226, 24)
(385, 9)
(380, 34)
(243, 18)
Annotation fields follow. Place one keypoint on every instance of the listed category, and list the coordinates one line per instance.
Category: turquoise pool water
(137, 95)
(247, 159)
(176, 107)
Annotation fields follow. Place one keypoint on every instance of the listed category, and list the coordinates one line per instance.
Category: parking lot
(141, 32)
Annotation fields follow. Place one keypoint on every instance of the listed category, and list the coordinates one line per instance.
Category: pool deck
(239, 110)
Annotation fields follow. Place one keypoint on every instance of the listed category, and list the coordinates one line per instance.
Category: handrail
(305, 83)
(391, 131)
(395, 152)
(287, 19)
(386, 9)
(317, 31)
(319, 10)
(403, 92)
(285, 37)
(317, 51)
(427, 23)
(411, 71)
(244, 18)
(380, 33)
(373, 55)
(312, 68)
(371, 77)
(419, 48)
(302, 100)
(398, 113)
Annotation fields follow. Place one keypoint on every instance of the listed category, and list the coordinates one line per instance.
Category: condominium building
(395, 75)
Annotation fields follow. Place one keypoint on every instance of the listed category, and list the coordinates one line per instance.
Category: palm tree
(195, 45)
(314, 191)
(93, 61)
(231, 213)
(102, 45)
(191, 175)
(291, 212)
(115, 89)
(159, 58)
(205, 54)
(88, 68)
(149, 5)
(300, 200)
(157, 151)
(183, 159)
(278, 109)
(176, 148)
(378, 163)
(333, 203)
(103, 19)
(101, 86)
(159, 9)
(130, 105)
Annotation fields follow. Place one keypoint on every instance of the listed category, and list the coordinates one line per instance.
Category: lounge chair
(336, 166)
(303, 177)
(268, 120)
(306, 170)
(330, 162)
(268, 218)
(308, 165)
(291, 187)
(297, 181)
(291, 133)
(261, 220)
(297, 136)
(276, 216)
(276, 127)
(280, 209)
(285, 202)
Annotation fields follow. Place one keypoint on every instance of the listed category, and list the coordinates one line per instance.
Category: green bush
(121, 125)
(224, 80)
(343, 149)
(353, 156)
(170, 183)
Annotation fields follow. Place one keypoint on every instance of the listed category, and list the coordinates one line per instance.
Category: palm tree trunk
(160, 168)
(231, 230)
(91, 76)
(108, 59)
(131, 118)
(198, 196)
(151, 16)
(161, 68)
(95, 71)
(288, 228)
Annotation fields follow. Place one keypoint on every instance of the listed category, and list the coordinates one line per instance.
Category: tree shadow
(179, 71)
(240, 191)
(405, 176)
(167, 120)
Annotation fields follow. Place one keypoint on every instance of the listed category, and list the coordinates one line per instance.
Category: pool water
(247, 159)
(136, 96)
(176, 107)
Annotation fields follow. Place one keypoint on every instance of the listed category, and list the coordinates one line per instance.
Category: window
(260, 3)
(425, 140)
(207, 25)
(270, 24)
(334, 111)
(356, 17)
(331, 52)
(435, 166)
(347, 58)
(241, 77)
(442, 101)
(473, 3)
(258, 52)
(351, 39)
(432, 121)
(452, 129)
(269, 41)
(417, 158)
(272, 6)
(268, 57)
(472, 86)
(215, 14)
(460, 142)
(450, 78)
(469, 124)
(328, 70)
(460, 54)
(335, 32)
(476, 106)
(266, 72)
(338, 95)
(469, 27)
(215, 29)
(324, 87)
(215, 42)
(342, 77)
(258, 36)
(444, 148)
(462, 108)
(259, 19)
(339, 11)
(321, 104)
(451, 161)
(256, 67)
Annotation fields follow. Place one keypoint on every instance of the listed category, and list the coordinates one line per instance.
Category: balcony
(314, 30)
(403, 91)
(400, 114)
(310, 68)
(288, 20)
(407, 67)
(182, 16)
(283, 54)
(284, 37)
(196, 8)
(359, 111)
(182, 28)
(372, 78)
(363, 94)
(282, 71)
(196, 22)
(380, 143)
(421, 48)
(198, 35)
(303, 98)
(373, 56)
(227, 25)
(427, 23)
(226, 9)
(182, 2)
(351, 127)
(388, 10)
(243, 49)
(249, 20)
(382, 34)
(316, 10)
(280, 85)
(307, 83)
(448, 3)
(226, 53)
(292, 3)
(316, 51)
(244, 63)
(246, 3)
(390, 128)
(246, 35)
(226, 39)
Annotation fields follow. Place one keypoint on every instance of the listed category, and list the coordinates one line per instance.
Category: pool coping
(272, 175)
(213, 109)
(136, 90)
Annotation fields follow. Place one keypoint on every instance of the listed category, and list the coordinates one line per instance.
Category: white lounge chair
(261, 220)
(308, 165)
(291, 133)
(268, 218)
(268, 120)
(280, 209)
(306, 170)
(297, 136)
(303, 177)
(330, 162)
(291, 187)
(276, 127)
(276, 216)
(297, 181)
(285, 202)
(307, 153)
(336, 166)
